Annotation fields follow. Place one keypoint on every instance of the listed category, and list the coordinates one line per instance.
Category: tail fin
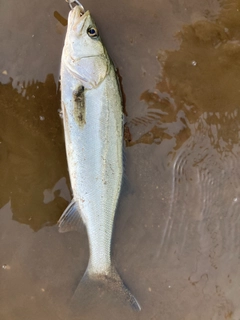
(109, 284)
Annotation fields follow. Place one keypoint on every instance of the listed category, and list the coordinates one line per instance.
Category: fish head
(82, 35)
(84, 54)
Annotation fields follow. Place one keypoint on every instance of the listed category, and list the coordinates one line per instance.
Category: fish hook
(71, 2)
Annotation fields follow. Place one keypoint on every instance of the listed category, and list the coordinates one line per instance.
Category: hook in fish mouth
(72, 4)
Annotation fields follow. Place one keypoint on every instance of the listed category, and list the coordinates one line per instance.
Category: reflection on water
(195, 106)
(32, 153)
(199, 85)
(176, 240)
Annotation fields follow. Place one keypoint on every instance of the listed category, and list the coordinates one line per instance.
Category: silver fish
(93, 127)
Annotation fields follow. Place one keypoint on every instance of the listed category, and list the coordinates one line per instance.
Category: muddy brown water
(176, 240)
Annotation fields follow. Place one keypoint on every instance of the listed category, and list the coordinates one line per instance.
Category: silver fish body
(94, 153)
(92, 116)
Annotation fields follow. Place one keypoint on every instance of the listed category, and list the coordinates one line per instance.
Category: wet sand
(176, 238)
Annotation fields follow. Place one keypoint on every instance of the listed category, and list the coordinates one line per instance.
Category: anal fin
(71, 219)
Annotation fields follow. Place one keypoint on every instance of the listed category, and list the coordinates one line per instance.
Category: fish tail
(108, 284)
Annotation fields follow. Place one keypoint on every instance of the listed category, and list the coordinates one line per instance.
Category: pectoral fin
(71, 219)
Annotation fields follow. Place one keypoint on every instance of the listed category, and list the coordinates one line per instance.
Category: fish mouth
(77, 18)
(77, 14)
(73, 3)
(76, 8)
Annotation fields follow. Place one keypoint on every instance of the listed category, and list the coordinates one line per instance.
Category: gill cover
(84, 54)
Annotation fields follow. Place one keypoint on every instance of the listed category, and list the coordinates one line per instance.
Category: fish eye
(92, 32)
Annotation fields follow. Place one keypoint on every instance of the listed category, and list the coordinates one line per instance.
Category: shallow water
(176, 239)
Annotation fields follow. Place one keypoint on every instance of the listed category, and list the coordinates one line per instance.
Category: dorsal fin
(71, 219)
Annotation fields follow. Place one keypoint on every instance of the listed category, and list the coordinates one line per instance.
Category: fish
(92, 114)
